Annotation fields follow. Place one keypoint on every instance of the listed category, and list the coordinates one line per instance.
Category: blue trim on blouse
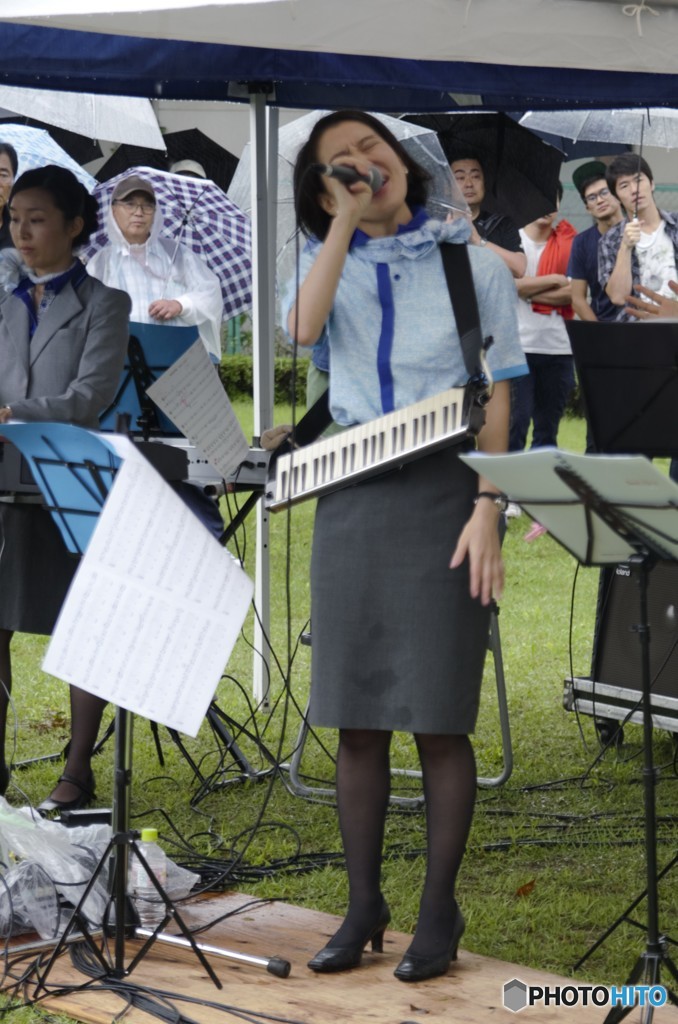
(385, 293)
(385, 347)
(419, 218)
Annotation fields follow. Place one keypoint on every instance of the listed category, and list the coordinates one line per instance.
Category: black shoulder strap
(309, 428)
(459, 277)
(314, 422)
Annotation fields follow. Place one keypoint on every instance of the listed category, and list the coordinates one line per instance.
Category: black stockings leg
(449, 776)
(5, 690)
(86, 712)
(363, 786)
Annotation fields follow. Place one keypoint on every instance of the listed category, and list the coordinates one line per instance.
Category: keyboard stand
(327, 794)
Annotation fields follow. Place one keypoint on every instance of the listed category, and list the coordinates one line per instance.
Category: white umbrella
(421, 143)
(649, 126)
(114, 118)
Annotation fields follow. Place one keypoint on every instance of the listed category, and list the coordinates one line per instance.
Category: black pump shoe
(85, 797)
(344, 958)
(419, 968)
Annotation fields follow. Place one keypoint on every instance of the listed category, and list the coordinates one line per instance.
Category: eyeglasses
(131, 206)
(593, 197)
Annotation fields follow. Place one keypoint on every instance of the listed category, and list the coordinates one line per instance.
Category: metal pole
(263, 329)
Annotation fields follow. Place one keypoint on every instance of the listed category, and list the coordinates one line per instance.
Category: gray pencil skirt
(35, 569)
(398, 643)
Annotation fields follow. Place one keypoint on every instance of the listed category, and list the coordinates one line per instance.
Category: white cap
(191, 167)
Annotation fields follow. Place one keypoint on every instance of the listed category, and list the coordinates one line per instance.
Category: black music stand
(606, 511)
(75, 469)
(628, 374)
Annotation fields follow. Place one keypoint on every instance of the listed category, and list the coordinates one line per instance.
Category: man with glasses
(166, 281)
(642, 249)
(590, 182)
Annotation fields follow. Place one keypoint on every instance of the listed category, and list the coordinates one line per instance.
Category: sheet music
(641, 493)
(156, 605)
(191, 394)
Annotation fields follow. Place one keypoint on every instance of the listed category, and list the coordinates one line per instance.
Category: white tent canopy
(606, 35)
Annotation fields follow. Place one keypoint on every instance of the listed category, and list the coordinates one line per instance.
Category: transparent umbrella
(422, 144)
(649, 126)
(35, 147)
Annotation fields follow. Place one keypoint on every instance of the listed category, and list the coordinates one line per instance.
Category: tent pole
(263, 332)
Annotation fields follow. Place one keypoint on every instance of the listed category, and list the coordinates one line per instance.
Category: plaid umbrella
(200, 216)
(35, 147)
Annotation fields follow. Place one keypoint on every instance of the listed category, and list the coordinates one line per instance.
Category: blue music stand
(152, 349)
(74, 470)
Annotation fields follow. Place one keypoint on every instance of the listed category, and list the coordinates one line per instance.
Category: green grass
(555, 854)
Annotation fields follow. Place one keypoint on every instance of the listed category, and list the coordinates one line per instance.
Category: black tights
(5, 685)
(86, 712)
(363, 787)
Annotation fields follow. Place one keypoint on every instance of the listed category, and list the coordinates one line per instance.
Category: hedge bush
(236, 376)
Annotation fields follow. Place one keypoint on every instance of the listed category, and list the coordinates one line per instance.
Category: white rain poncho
(162, 269)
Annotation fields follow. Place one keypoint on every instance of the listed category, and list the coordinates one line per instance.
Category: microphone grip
(349, 175)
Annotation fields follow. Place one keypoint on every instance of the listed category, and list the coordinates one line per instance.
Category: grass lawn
(555, 854)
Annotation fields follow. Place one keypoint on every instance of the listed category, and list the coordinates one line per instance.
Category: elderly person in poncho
(166, 281)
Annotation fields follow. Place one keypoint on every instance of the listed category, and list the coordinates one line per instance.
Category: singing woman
(404, 565)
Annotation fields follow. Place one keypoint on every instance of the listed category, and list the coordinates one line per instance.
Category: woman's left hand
(479, 542)
(165, 309)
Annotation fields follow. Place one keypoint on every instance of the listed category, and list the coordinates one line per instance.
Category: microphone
(349, 175)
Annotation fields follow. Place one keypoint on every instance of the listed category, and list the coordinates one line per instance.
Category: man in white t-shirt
(642, 249)
(545, 296)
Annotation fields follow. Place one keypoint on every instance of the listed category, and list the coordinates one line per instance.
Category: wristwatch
(483, 241)
(499, 500)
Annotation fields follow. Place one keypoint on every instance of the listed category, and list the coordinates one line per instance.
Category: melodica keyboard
(372, 448)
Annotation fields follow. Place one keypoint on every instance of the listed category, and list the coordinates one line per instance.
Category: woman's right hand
(349, 202)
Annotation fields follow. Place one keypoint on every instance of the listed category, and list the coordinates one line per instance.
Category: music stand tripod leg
(648, 966)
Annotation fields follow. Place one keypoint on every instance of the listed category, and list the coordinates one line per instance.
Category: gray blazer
(69, 371)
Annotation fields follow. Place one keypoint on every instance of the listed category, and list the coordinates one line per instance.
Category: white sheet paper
(630, 483)
(193, 397)
(156, 605)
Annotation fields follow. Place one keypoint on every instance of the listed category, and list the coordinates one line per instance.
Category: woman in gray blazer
(63, 338)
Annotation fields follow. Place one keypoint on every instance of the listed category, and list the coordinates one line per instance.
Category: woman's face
(6, 179)
(41, 232)
(134, 216)
(360, 146)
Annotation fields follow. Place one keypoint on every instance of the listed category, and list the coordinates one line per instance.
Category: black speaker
(616, 647)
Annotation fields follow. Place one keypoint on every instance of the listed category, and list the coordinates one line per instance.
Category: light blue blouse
(391, 335)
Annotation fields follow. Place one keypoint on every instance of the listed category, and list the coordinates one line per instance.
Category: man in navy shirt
(495, 230)
(604, 207)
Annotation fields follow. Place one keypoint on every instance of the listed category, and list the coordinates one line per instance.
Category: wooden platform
(471, 993)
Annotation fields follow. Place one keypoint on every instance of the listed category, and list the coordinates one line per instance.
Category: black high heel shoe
(419, 968)
(85, 797)
(344, 958)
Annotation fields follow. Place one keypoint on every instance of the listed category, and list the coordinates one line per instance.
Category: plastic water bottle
(147, 902)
